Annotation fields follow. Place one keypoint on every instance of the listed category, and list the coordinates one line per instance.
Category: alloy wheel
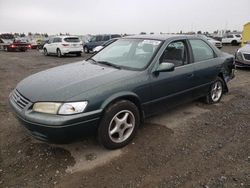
(216, 91)
(121, 126)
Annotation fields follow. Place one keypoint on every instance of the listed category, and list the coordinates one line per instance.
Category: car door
(171, 88)
(206, 65)
(54, 45)
(49, 44)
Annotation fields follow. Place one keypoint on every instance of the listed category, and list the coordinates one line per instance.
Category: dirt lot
(194, 145)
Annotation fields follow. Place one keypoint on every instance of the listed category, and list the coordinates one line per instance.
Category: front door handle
(190, 75)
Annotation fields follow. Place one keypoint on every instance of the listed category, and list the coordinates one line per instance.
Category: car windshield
(72, 39)
(129, 53)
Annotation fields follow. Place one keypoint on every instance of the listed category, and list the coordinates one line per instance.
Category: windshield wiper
(109, 64)
(92, 60)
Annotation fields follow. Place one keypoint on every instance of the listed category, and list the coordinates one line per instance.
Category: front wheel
(119, 124)
(215, 91)
(45, 52)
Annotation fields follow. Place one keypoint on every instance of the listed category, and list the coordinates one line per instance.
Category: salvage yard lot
(194, 145)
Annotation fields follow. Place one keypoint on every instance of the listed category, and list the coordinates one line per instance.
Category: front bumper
(56, 128)
(241, 63)
(240, 60)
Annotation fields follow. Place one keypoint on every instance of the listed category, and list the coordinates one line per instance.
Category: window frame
(187, 48)
(192, 52)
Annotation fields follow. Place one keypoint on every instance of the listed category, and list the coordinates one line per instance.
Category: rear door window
(201, 50)
(106, 37)
(99, 38)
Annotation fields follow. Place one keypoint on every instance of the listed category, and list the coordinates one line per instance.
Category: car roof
(161, 37)
(65, 36)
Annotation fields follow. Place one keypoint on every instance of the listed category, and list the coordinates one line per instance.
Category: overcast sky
(122, 16)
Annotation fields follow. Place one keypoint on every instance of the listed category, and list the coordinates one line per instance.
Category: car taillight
(13, 46)
(29, 46)
(65, 44)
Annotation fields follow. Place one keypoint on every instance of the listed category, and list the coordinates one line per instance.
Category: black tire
(78, 54)
(114, 110)
(45, 52)
(58, 53)
(86, 50)
(8, 49)
(234, 43)
(210, 98)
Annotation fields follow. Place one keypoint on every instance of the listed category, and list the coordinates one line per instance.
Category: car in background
(233, 39)
(115, 89)
(216, 43)
(98, 40)
(11, 44)
(33, 44)
(62, 45)
(41, 43)
(242, 56)
(98, 48)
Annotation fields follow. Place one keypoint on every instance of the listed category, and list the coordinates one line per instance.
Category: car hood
(64, 82)
(245, 48)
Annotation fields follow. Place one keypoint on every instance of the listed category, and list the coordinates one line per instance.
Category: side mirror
(165, 67)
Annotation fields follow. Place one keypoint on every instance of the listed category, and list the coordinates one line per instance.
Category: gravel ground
(208, 149)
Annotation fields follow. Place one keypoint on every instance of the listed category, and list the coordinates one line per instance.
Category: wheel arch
(132, 97)
(225, 88)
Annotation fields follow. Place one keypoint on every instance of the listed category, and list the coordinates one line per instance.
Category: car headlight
(72, 108)
(60, 108)
(47, 107)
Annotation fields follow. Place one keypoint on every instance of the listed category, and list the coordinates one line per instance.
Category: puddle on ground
(89, 156)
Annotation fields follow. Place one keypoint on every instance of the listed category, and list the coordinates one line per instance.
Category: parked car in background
(242, 56)
(9, 43)
(98, 40)
(216, 43)
(33, 44)
(41, 43)
(98, 48)
(62, 45)
(233, 39)
(114, 90)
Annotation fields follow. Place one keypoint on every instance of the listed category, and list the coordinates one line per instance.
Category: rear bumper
(71, 50)
(22, 48)
(54, 128)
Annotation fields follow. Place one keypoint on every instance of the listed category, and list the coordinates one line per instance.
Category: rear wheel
(8, 49)
(86, 50)
(78, 54)
(234, 43)
(58, 52)
(119, 124)
(215, 91)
